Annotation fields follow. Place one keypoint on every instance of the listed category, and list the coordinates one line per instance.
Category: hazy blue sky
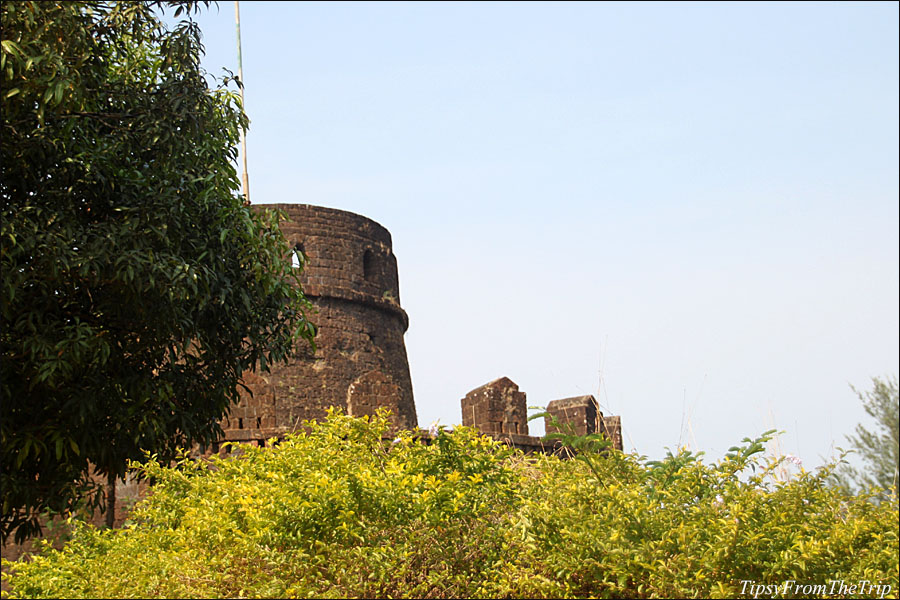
(687, 210)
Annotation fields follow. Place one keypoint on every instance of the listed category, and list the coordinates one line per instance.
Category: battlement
(498, 409)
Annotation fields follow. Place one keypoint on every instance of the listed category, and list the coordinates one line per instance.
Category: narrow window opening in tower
(369, 265)
(298, 258)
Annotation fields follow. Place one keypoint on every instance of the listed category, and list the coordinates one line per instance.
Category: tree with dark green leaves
(136, 285)
(879, 449)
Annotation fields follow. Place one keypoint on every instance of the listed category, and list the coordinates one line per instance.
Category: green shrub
(338, 511)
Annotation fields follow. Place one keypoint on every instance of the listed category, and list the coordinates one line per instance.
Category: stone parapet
(497, 407)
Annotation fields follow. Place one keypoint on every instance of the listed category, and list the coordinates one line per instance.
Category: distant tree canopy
(136, 287)
(879, 449)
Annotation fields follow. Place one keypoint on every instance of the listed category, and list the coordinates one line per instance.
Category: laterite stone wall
(498, 409)
(360, 363)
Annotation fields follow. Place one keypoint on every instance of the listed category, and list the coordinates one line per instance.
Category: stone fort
(349, 273)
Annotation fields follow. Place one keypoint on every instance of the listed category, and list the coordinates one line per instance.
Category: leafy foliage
(879, 449)
(340, 511)
(136, 287)
(586, 448)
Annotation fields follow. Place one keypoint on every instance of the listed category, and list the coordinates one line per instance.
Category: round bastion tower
(360, 363)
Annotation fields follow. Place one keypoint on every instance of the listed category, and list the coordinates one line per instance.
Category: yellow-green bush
(339, 512)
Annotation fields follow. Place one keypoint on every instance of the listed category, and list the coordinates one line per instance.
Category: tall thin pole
(245, 178)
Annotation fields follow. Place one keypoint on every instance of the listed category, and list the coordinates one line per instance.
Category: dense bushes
(338, 511)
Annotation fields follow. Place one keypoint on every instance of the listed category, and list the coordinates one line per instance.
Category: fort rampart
(349, 273)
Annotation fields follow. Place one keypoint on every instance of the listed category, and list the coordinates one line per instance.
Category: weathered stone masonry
(360, 363)
(498, 409)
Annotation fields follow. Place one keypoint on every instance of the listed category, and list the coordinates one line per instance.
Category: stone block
(496, 407)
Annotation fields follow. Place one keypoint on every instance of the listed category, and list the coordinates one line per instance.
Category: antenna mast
(245, 178)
